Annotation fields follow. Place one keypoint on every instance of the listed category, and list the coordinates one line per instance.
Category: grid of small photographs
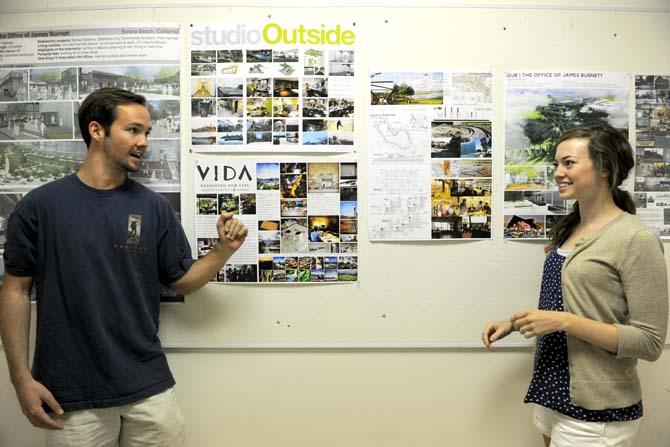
(39, 134)
(303, 221)
(652, 151)
(281, 98)
(306, 246)
(461, 179)
(295, 269)
(38, 103)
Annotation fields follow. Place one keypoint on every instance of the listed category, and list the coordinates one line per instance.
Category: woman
(603, 300)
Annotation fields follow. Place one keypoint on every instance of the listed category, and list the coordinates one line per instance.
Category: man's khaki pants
(155, 421)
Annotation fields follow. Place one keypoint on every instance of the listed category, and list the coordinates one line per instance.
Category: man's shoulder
(47, 190)
(56, 184)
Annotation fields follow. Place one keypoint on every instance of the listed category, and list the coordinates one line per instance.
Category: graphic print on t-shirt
(134, 228)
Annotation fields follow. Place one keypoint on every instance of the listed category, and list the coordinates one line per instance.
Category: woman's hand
(531, 323)
(494, 331)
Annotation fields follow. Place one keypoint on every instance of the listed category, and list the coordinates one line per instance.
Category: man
(98, 361)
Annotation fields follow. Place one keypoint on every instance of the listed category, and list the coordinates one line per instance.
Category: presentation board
(422, 294)
(411, 294)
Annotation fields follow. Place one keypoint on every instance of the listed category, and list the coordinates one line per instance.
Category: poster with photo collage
(272, 88)
(539, 108)
(652, 152)
(430, 150)
(45, 74)
(302, 218)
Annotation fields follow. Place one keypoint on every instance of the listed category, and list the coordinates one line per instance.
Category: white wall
(358, 399)
(385, 397)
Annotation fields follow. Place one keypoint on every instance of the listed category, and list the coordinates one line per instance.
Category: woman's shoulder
(629, 224)
(633, 231)
(623, 233)
(635, 225)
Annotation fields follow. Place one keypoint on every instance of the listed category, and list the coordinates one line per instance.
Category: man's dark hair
(100, 106)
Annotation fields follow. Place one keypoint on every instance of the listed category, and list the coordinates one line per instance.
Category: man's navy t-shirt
(97, 258)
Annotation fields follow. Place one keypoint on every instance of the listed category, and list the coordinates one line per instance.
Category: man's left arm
(232, 234)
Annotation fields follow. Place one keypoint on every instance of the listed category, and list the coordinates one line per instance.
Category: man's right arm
(15, 329)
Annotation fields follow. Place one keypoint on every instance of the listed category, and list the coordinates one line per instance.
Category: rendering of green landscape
(544, 125)
(20, 164)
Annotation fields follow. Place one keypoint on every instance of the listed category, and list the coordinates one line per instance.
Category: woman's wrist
(568, 322)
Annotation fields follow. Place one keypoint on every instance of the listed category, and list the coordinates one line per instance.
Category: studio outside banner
(272, 87)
